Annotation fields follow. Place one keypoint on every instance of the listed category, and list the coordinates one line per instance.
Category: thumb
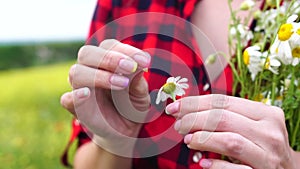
(138, 92)
(139, 86)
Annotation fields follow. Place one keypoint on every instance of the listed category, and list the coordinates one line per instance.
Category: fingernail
(118, 80)
(188, 138)
(205, 163)
(177, 125)
(82, 93)
(172, 108)
(142, 60)
(128, 65)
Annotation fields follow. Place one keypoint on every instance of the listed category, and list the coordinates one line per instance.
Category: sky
(44, 20)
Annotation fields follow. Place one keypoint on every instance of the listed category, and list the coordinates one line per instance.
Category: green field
(34, 128)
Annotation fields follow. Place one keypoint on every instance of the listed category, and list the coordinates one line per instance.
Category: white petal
(255, 47)
(295, 39)
(287, 49)
(255, 60)
(183, 80)
(170, 79)
(179, 91)
(275, 45)
(241, 29)
(164, 96)
(265, 54)
(292, 18)
(295, 61)
(232, 31)
(255, 53)
(184, 85)
(275, 62)
(177, 78)
(253, 76)
(273, 70)
(158, 97)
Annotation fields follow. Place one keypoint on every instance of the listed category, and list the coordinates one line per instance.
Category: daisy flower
(243, 32)
(173, 87)
(266, 20)
(256, 61)
(287, 82)
(271, 62)
(282, 43)
(295, 55)
(252, 58)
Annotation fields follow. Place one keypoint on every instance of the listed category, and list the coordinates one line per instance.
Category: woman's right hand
(110, 95)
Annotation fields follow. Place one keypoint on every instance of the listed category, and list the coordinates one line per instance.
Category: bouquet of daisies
(266, 62)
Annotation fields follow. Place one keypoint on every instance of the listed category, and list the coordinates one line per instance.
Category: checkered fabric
(174, 52)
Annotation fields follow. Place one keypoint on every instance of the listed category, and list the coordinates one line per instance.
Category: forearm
(91, 156)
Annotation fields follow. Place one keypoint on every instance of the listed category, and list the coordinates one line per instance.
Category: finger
(138, 91)
(139, 85)
(109, 60)
(251, 109)
(86, 76)
(141, 57)
(133, 104)
(67, 99)
(229, 144)
(216, 120)
(217, 164)
(71, 73)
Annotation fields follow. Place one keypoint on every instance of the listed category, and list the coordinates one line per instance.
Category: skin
(252, 143)
(110, 53)
(251, 132)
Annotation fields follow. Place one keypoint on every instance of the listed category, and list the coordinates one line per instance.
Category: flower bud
(271, 3)
(257, 14)
(211, 59)
(247, 4)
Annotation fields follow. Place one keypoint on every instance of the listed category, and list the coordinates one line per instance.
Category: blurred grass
(34, 128)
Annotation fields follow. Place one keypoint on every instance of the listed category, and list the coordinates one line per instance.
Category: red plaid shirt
(175, 57)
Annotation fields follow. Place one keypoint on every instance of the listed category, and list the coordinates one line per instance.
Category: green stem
(294, 127)
(273, 90)
(296, 130)
(173, 96)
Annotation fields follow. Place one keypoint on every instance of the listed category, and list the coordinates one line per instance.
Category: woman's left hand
(251, 132)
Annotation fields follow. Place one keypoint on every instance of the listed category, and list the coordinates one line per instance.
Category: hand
(251, 132)
(109, 91)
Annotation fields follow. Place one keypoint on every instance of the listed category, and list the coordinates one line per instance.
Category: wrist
(112, 161)
(120, 146)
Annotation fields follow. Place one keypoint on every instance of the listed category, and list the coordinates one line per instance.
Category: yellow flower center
(265, 100)
(169, 88)
(279, 97)
(285, 32)
(296, 52)
(298, 31)
(246, 57)
(267, 64)
(258, 97)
